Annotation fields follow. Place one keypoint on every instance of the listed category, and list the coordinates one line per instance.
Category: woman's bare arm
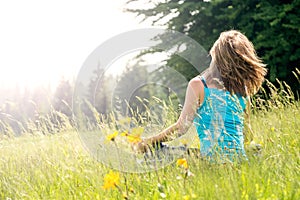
(194, 96)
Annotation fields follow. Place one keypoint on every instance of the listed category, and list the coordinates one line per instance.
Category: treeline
(42, 110)
(36, 110)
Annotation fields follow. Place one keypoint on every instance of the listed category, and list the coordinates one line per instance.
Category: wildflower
(135, 135)
(186, 197)
(182, 162)
(131, 190)
(272, 128)
(125, 196)
(125, 133)
(261, 143)
(112, 137)
(111, 180)
(134, 138)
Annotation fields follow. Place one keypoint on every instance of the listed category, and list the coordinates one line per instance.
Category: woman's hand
(141, 147)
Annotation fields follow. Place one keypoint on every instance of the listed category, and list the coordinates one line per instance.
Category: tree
(62, 99)
(132, 86)
(99, 94)
(273, 27)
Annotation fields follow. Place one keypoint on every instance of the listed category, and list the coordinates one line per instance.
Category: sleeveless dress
(219, 122)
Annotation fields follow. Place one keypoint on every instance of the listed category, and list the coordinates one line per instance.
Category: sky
(43, 41)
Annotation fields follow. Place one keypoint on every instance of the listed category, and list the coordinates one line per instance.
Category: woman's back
(235, 73)
(219, 123)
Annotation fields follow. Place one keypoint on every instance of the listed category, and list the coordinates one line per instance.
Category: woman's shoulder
(196, 83)
(196, 80)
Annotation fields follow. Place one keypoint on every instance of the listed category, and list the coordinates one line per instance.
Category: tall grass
(58, 167)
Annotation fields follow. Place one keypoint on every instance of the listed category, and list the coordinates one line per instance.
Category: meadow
(57, 166)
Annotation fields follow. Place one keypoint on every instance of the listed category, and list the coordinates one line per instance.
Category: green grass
(58, 167)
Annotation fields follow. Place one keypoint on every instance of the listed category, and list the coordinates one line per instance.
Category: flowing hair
(241, 71)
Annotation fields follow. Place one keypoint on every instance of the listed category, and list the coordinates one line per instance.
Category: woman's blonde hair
(241, 71)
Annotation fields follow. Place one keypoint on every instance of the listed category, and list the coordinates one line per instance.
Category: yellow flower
(261, 143)
(131, 190)
(111, 180)
(182, 162)
(135, 135)
(272, 128)
(124, 133)
(112, 137)
(134, 138)
(125, 196)
(186, 197)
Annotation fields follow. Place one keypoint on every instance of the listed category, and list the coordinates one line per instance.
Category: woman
(216, 100)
